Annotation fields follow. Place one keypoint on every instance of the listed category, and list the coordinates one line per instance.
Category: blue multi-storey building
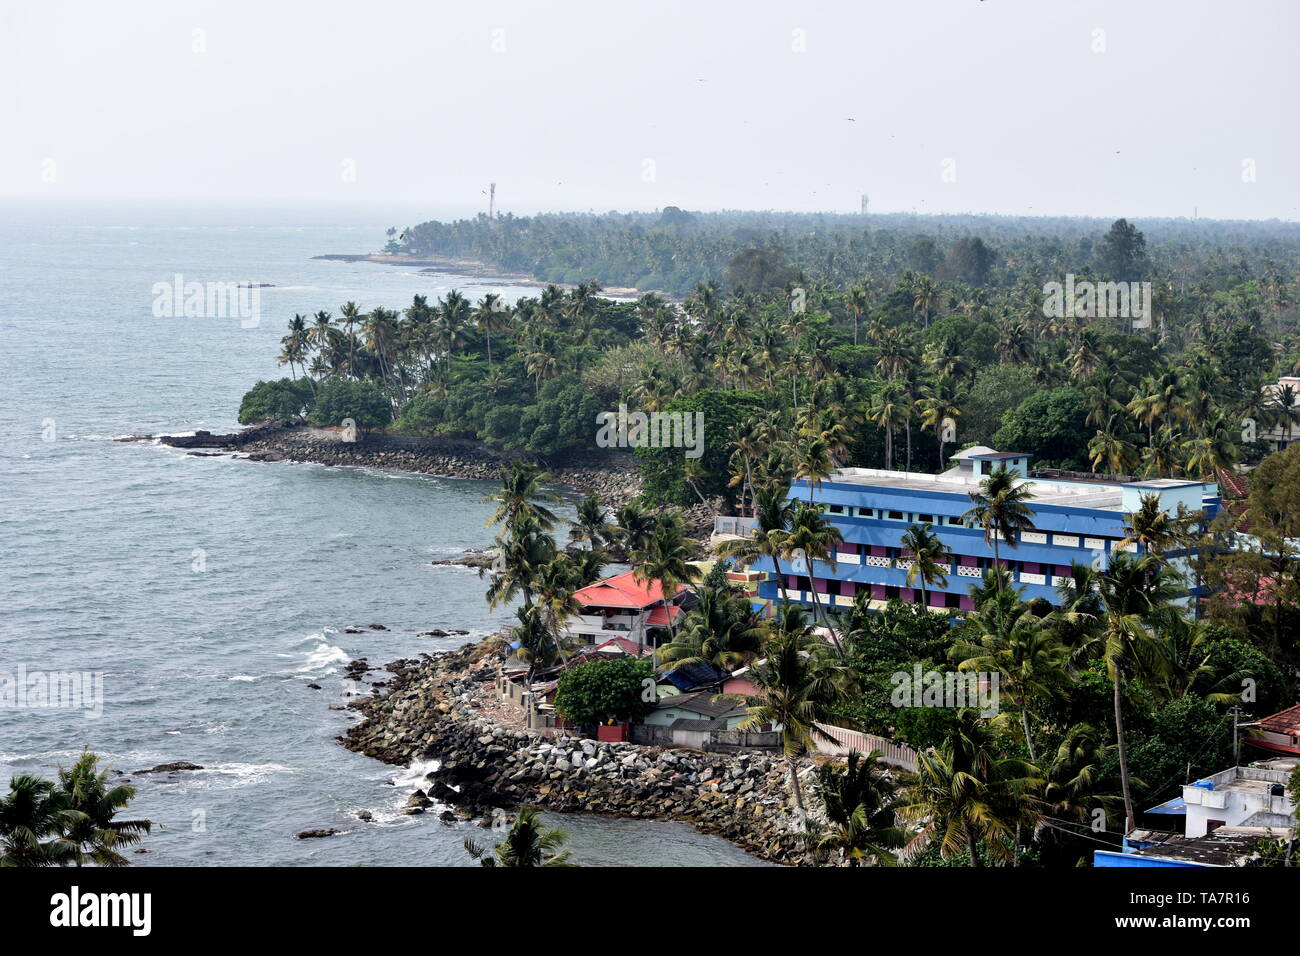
(1077, 518)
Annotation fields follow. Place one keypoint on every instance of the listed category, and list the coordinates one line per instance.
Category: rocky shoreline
(441, 707)
(611, 476)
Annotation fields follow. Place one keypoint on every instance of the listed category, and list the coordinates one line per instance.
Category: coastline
(446, 707)
(473, 268)
(612, 476)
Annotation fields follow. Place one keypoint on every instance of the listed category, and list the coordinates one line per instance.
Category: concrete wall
(716, 741)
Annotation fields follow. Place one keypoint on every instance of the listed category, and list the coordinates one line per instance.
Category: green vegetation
(811, 335)
(288, 399)
(527, 843)
(810, 344)
(68, 822)
(595, 692)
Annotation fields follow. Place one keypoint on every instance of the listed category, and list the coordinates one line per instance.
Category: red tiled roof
(1284, 721)
(622, 591)
(1232, 485)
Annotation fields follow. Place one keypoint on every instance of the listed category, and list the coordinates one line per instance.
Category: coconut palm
(962, 794)
(722, 631)
(35, 817)
(813, 537)
(96, 833)
(889, 409)
(633, 527)
(591, 524)
(858, 800)
(773, 514)
(1072, 788)
(666, 560)
(523, 549)
(814, 463)
(938, 404)
(930, 558)
(1152, 529)
(1114, 446)
(798, 683)
(492, 315)
(528, 843)
(1135, 597)
(999, 508)
(1021, 649)
(521, 494)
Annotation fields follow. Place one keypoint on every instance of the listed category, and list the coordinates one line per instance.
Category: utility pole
(1236, 739)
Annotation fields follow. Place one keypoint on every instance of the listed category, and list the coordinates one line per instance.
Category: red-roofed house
(624, 607)
(1279, 732)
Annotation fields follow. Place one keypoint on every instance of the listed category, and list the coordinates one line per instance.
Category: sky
(1139, 109)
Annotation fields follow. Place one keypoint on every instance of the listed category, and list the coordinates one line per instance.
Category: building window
(925, 519)
(836, 509)
(896, 516)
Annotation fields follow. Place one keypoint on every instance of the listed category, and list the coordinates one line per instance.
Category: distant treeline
(671, 251)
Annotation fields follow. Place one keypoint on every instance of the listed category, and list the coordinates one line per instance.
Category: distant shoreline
(472, 268)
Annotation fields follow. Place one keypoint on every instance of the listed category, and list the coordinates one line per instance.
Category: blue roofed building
(1077, 518)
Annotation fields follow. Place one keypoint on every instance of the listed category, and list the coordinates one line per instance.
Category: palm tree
(521, 494)
(528, 843)
(95, 832)
(999, 508)
(1153, 529)
(34, 818)
(1072, 789)
(349, 315)
(813, 537)
(814, 463)
(523, 549)
(926, 298)
(1020, 649)
(859, 299)
(295, 344)
(939, 404)
(889, 409)
(930, 558)
(591, 524)
(773, 514)
(1113, 446)
(962, 794)
(1134, 597)
(798, 683)
(858, 800)
(666, 560)
(634, 526)
(722, 631)
(492, 315)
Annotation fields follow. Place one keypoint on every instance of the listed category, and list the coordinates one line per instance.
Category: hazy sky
(1015, 106)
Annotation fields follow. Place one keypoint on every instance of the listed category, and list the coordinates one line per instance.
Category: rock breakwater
(437, 707)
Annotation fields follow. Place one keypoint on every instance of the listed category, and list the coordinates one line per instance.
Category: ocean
(206, 592)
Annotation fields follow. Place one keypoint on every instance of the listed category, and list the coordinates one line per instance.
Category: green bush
(362, 401)
(285, 398)
(597, 691)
